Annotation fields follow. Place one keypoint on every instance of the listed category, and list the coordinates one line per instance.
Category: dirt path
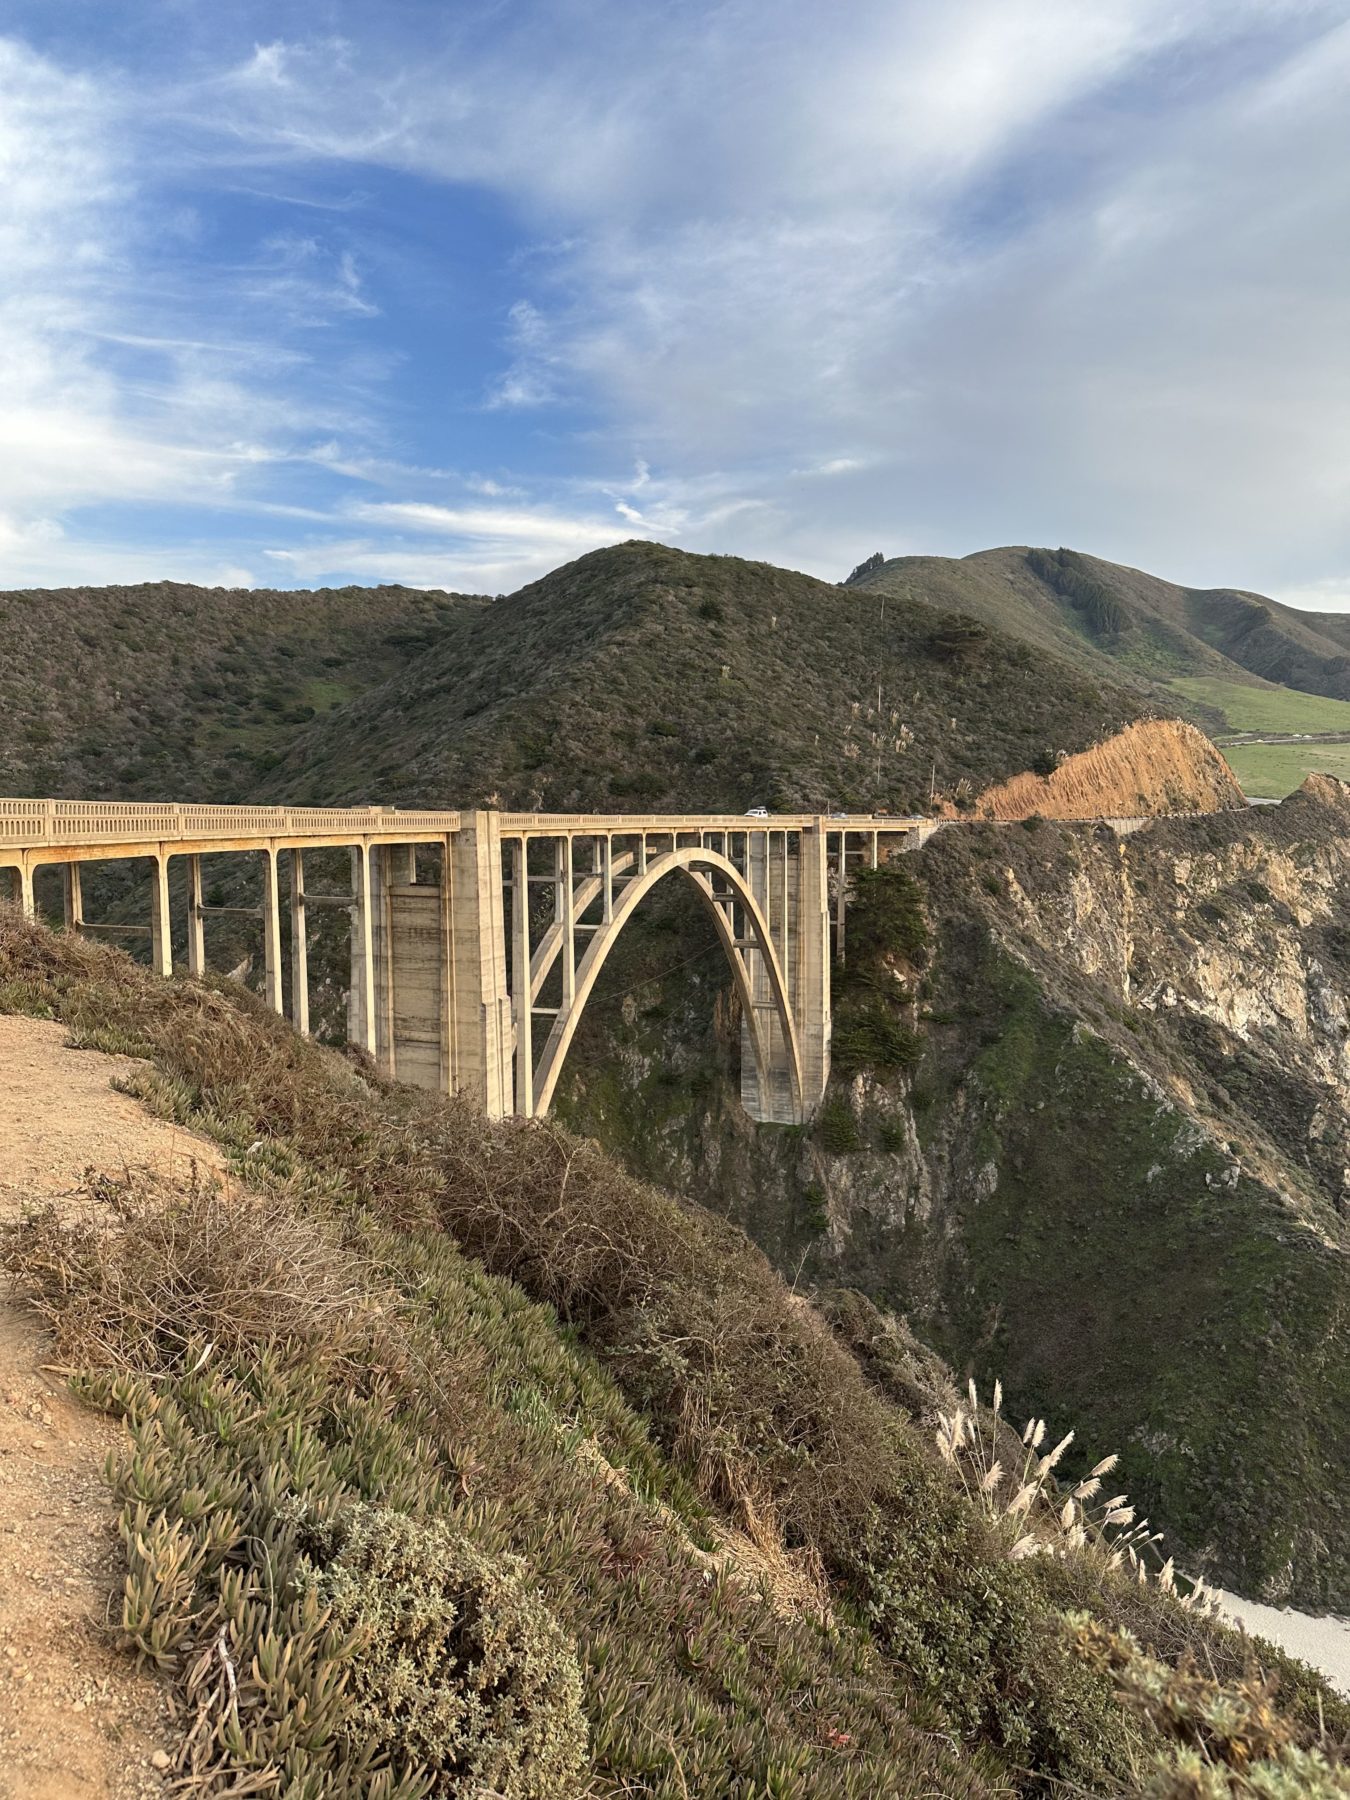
(76, 1721)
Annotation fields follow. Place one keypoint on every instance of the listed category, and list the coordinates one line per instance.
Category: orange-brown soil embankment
(1152, 766)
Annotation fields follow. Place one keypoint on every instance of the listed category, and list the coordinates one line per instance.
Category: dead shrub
(148, 1269)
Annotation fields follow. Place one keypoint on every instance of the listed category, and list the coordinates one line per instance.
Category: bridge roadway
(477, 937)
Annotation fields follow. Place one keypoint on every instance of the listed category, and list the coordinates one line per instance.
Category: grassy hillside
(1272, 770)
(1123, 624)
(642, 677)
(679, 1544)
(165, 691)
(1264, 709)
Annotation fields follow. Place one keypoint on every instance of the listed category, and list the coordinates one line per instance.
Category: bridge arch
(699, 865)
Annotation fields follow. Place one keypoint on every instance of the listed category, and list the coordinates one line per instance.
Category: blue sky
(450, 293)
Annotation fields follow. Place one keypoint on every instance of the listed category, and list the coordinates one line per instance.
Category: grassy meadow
(1270, 771)
(1273, 709)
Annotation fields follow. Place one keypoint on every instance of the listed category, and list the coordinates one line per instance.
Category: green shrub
(1225, 1741)
(869, 1034)
(816, 1208)
(961, 640)
(1068, 574)
(643, 785)
(836, 1127)
(462, 1669)
(885, 918)
(866, 567)
(892, 1135)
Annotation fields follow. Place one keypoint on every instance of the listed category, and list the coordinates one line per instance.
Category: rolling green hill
(1227, 660)
(1124, 623)
(640, 677)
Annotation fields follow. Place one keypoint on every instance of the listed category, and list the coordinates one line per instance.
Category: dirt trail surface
(76, 1720)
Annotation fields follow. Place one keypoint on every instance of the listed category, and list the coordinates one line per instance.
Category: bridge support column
(771, 1102)
(161, 931)
(522, 999)
(196, 923)
(840, 897)
(72, 897)
(27, 902)
(299, 946)
(271, 920)
(361, 995)
(811, 963)
(480, 1004)
(380, 857)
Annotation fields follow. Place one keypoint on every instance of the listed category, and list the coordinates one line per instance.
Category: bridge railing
(46, 824)
(622, 824)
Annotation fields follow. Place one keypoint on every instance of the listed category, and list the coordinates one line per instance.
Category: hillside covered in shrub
(481, 1467)
(636, 678)
(640, 678)
(165, 691)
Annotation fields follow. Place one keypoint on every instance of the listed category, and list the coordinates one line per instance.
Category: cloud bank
(456, 300)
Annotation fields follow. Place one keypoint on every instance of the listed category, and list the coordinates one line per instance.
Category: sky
(448, 293)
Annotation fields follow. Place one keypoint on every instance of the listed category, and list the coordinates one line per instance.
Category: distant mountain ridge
(1123, 624)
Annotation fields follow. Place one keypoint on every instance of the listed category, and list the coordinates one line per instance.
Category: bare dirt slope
(76, 1721)
(1153, 766)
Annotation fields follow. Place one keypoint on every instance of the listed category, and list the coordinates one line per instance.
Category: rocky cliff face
(1118, 1173)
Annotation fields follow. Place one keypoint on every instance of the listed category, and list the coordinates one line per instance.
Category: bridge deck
(128, 828)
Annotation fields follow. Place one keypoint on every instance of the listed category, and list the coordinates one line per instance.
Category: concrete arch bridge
(478, 937)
